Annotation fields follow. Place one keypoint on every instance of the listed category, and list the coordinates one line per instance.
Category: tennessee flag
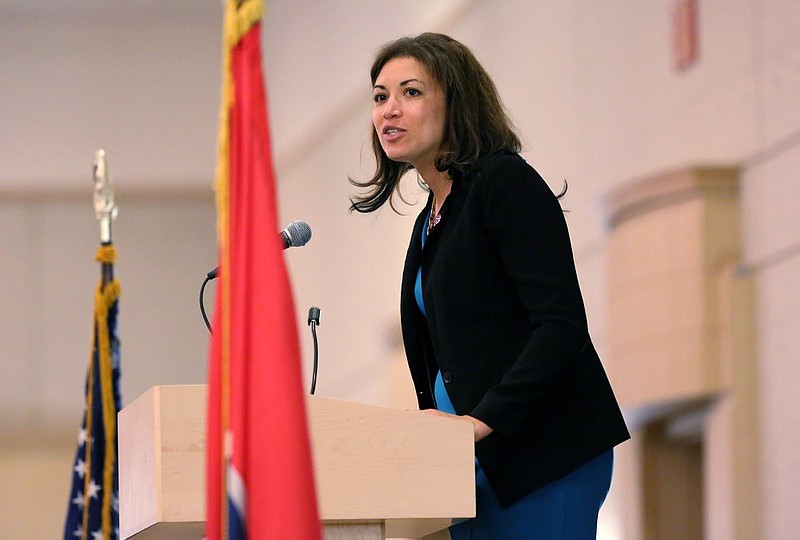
(260, 482)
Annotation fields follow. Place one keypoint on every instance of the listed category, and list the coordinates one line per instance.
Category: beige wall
(590, 85)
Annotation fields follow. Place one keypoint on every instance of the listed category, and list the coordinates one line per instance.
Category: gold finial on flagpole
(104, 208)
(106, 211)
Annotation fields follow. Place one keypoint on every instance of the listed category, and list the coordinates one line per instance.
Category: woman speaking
(494, 325)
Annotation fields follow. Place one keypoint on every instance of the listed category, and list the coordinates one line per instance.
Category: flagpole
(93, 507)
(104, 207)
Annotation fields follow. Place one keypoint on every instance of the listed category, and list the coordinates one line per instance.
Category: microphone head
(298, 233)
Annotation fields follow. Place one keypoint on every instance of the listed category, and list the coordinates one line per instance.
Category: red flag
(260, 481)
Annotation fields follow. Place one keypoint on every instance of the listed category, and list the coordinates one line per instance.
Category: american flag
(93, 511)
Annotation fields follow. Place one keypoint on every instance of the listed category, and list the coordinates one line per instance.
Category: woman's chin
(395, 156)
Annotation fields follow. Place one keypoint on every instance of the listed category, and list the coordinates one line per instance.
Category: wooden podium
(379, 473)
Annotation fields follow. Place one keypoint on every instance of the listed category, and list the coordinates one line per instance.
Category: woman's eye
(412, 92)
(379, 98)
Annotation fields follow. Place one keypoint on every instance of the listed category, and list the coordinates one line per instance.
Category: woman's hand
(479, 428)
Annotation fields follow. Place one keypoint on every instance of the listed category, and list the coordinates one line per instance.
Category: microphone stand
(313, 322)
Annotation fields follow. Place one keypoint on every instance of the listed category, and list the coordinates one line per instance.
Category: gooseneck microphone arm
(296, 234)
(209, 277)
(313, 322)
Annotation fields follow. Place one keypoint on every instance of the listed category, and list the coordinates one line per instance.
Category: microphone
(296, 234)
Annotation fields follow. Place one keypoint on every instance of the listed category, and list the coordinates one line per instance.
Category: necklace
(434, 218)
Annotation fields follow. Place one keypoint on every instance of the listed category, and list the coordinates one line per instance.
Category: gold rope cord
(104, 298)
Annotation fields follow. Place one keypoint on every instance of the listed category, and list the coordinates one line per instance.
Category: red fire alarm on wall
(684, 34)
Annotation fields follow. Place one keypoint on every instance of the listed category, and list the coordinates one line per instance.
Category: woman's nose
(391, 109)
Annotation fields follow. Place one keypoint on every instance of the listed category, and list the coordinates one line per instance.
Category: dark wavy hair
(476, 123)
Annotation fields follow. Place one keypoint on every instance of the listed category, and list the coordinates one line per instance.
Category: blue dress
(565, 509)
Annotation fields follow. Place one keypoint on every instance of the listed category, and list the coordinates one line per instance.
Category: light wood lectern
(379, 472)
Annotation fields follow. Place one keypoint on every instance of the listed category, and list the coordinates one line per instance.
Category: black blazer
(507, 328)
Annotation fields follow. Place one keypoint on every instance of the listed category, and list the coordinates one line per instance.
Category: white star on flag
(82, 438)
(80, 468)
(79, 500)
(94, 489)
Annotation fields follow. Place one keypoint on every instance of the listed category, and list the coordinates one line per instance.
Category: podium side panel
(139, 489)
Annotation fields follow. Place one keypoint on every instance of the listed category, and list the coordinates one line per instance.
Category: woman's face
(409, 113)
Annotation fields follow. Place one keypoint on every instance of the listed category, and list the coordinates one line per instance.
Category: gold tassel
(104, 298)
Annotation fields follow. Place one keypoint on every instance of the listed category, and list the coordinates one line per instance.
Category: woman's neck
(440, 184)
